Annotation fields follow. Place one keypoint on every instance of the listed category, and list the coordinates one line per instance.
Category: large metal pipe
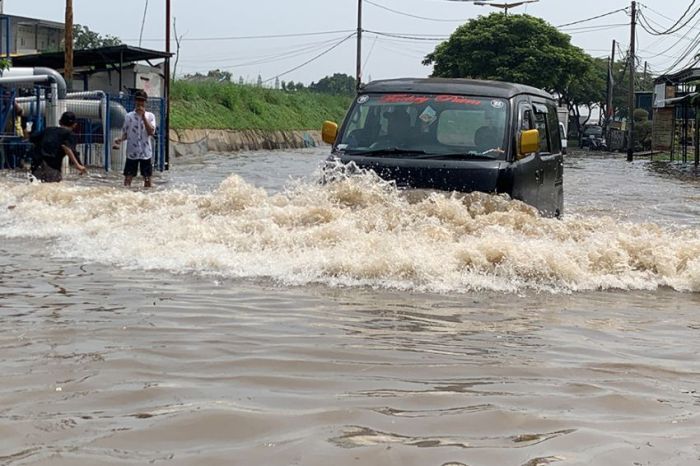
(49, 74)
(55, 77)
(24, 79)
(92, 109)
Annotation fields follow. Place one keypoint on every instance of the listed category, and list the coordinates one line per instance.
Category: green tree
(621, 76)
(219, 75)
(84, 38)
(642, 130)
(216, 75)
(338, 84)
(516, 48)
(588, 90)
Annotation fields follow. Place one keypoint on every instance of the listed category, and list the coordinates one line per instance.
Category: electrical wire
(677, 26)
(272, 59)
(274, 53)
(439, 20)
(269, 36)
(596, 28)
(592, 18)
(328, 50)
(408, 36)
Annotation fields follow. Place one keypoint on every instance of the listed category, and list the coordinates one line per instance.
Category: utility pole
(633, 63)
(358, 74)
(68, 48)
(611, 83)
(166, 93)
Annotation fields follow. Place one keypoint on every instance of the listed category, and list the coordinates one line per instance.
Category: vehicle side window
(541, 125)
(525, 117)
(555, 135)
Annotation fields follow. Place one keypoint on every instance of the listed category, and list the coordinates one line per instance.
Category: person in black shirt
(50, 146)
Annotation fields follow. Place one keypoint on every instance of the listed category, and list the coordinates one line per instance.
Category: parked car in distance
(593, 137)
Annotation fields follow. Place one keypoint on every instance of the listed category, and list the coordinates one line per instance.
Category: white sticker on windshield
(497, 104)
(428, 116)
(362, 99)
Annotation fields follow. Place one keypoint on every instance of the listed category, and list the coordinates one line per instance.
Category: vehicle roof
(471, 87)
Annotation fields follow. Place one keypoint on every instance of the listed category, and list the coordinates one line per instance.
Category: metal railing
(100, 121)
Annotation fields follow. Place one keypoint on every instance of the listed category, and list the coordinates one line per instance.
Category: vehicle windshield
(425, 125)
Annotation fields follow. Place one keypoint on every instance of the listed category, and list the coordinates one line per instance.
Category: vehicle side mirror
(529, 142)
(329, 132)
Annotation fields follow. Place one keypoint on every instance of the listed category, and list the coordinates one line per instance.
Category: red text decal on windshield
(404, 99)
(420, 99)
(457, 99)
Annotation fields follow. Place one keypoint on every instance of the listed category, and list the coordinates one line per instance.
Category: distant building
(30, 35)
(114, 69)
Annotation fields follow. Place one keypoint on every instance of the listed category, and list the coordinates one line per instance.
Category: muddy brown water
(242, 313)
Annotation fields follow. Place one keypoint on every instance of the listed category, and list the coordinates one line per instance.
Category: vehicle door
(551, 190)
(527, 169)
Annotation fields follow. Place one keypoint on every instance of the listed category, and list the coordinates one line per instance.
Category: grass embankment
(211, 105)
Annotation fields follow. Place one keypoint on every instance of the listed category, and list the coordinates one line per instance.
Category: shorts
(46, 174)
(145, 166)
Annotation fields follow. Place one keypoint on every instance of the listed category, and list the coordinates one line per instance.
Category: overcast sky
(384, 57)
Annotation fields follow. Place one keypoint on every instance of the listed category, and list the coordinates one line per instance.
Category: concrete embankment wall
(188, 142)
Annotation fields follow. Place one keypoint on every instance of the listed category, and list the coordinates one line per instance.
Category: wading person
(139, 127)
(51, 145)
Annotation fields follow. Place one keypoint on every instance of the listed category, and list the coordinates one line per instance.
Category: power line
(271, 59)
(682, 38)
(677, 26)
(328, 50)
(603, 27)
(414, 16)
(592, 18)
(415, 37)
(263, 54)
(269, 36)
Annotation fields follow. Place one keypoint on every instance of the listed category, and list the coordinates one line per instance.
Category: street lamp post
(503, 6)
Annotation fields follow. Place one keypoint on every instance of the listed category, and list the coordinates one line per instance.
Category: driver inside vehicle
(398, 129)
(489, 137)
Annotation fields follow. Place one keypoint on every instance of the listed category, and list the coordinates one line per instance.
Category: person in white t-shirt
(139, 128)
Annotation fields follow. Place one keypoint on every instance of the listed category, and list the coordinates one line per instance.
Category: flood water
(242, 313)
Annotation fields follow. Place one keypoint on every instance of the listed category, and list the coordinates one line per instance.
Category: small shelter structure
(675, 115)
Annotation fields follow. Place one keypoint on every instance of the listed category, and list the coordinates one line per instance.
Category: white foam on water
(356, 231)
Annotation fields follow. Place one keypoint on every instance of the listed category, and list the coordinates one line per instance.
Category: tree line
(337, 84)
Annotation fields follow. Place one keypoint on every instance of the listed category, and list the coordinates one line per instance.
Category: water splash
(355, 231)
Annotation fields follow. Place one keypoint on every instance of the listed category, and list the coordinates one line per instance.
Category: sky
(212, 31)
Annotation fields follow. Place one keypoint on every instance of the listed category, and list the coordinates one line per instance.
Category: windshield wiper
(470, 154)
(386, 151)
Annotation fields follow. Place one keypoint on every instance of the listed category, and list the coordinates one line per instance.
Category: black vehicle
(593, 138)
(457, 135)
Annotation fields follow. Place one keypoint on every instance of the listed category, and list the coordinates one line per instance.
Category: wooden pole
(166, 93)
(68, 48)
(358, 73)
(611, 83)
(632, 58)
